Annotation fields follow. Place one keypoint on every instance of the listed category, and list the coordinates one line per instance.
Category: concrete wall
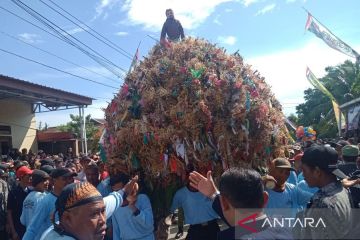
(19, 116)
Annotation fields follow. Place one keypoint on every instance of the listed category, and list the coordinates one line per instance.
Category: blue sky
(269, 34)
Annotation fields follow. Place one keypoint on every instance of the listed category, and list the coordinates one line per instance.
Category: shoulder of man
(53, 235)
(330, 201)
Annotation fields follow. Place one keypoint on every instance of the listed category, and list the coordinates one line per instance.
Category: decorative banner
(135, 59)
(291, 124)
(318, 85)
(101, 146)
(328, 37)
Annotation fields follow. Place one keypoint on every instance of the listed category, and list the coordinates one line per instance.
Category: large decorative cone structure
(192, 104)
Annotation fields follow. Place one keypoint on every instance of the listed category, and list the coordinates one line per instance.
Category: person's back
(127, 225)
(197, 208)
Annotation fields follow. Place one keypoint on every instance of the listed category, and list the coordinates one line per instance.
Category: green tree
(74, 126)
(343, 81)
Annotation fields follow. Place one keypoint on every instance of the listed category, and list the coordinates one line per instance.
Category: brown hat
(283, 163)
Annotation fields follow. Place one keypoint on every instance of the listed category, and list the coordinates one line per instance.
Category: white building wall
(18, 115)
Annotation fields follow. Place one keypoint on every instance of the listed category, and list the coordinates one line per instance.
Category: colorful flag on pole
(135, 59)
(101, 146)
(328, 37)
(318, 85)
(291, 124)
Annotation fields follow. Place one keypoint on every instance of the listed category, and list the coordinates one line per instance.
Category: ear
(224, 202)
(66, 219)
(266, 199)
(317, 172)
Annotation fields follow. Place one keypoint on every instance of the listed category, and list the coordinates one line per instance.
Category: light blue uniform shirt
(42, 217)
(128, 226)
(300, 177)
(197, 207)
(305, 187)
(293, 178)
(104, 187)
(29, 206)
(291, 198)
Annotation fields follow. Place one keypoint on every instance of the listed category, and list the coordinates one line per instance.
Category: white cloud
(121, 34)
(229, 40)
(30, 38)
(292, 1)
(217, 21)
(75, 30)
(103, 6)
(285, 70)
(266, 9)
(247, 3)
(151, 14)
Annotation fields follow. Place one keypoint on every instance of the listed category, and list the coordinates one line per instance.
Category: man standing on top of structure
(172, 28)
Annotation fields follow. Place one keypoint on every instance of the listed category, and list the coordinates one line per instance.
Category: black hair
(167, 10)
(119, 178)
(242, 187)
(320, 156)
(70, 165)
(92, 167)
(350, 158)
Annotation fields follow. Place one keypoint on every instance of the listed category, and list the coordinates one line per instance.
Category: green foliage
(74, 126)
(343, 81)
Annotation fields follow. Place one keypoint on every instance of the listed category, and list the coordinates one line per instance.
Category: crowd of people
(65, 196)
(68, 197)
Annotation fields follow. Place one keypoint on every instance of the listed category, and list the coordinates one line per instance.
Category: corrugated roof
(54, 136)
(35, 93)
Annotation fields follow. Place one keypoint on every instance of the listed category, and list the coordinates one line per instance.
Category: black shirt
(173, 29)
(350, 169)
(15, 203)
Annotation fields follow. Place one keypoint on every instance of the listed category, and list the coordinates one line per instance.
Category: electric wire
(54, 55)
(57, 69)
(62, 33)
(111, 45)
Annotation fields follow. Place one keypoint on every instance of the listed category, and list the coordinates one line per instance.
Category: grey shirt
(332, 204)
